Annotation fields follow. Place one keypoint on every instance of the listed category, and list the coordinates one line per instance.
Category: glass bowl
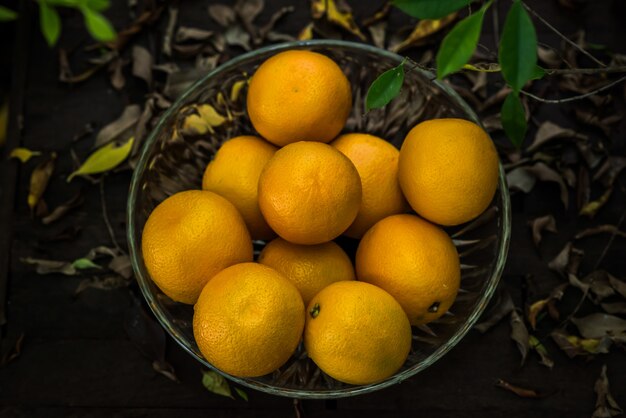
(172, 161)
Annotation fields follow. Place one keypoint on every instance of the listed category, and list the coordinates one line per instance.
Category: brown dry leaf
(142, 64)
(337, 13)
(149, 17)
(423, 30)
(538, 306)
(222, 14)
(560, 262)
(63, 209)
(102, 283)
(39, 179)
(538, 225)
(601, 229)
(609, 171)
(519, 391)
(520, 179)
(540, 349)
(589, 118)
(618, 285)
(14, 352)
(377, 31)
(379, 15)
(50, 266)
(574, 346)
(306, 32)
(179, 81)
(519, 334)
(116, 74)
(575, 258)
(549, 56)
(618, 308)
(121, 128)
(121, 265)
(236, 36)
(599, 284)
(591, 208)
(185, 34)
(266, 31)
(606, 406)
(65, 71)
(549, 131)
(503, 308)
(544, 173)
(598, 325)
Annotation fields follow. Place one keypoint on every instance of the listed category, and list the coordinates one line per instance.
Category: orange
(309, 192)
(356, 333)
(415, 261)
(248, 320)
(188, 238)
(448, 170)
(310, 267)
(234, 174)
(299, 96)
(376, 160)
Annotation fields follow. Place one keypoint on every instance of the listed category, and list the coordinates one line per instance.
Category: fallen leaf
(266, 31)
(536, 345)
(503, 308)
(568, 343)
(590, 118)
(544, 173)
(166, 369)
(597, 325)
(606, 406)
(14, 352)
(203, 120)
(538, 306)
(142, 64)
(591, 208)
(549, 131)
(104, 159)
(216, 383)
(236, 36)
(519, 334)
(549, 56)
(306, 32)
(50, 266)
(519, 391)
(601, 229)
(101, 283)
(39, 179)
(185, 34)
(377, 31)
(121, 265)
(61, 210)
(223, 15)
(179, 81)
(379, 15)
(207, 63)
(609, 171)
(614, 307)
(538, 225)
(423, 30)
(591, 153)
(520, 179)
(340, 16)
(618, 285)
(575, 258)
(236, 89)
(583, 191)
(560, 262)
(149, 17)
(23, 154)
(120, 128)
(599, 284)
(116, 73)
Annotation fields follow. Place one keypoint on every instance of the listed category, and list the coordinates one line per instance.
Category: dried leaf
(122, 266)
(538, 225)
(606, 406)
(120, 128)
(538, 306)
(549, 56)
(142, 64)
(568, 343)
(23, 154)
(39, 179)
(536, 345)
(14, 352)
(166, 370)
(549, 131)
(519, 391)
(592, 119)
(423, 29)
(618, 308)
(101, 283)
(504, 307)
(248, 10)
(185, 34)
(179, 81)
(104, 159)
(204, 120)
(236, 36)
(223, 15)
(520, 179)
(591, 208)
(583, 190)
(116, 74)
(544, 173)
(377, 32)
(519, 334)
(599, 284)
(340, 17)
(618, 285)
(597, 325)
(63, 209)
(216, 383)
(236, 89)
(306, 32)
(241, 393)
(379, 15)
(560, 262)
(609, 171)
(265, 31)
(50, 266)
(147, 18)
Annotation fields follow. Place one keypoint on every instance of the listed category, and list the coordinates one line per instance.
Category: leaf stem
(573, 98)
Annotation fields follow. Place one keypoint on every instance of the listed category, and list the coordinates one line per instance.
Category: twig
(565, 38)
(490, 67)
(105, 216)
(573, 98)
(611, 239)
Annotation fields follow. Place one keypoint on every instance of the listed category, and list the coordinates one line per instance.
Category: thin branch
(105, 216)
(565, 38)
(490, 67)
(573, 98)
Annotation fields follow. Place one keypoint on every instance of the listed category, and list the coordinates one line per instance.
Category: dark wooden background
(76, 358)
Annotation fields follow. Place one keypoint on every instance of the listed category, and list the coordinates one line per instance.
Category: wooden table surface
(77, 359)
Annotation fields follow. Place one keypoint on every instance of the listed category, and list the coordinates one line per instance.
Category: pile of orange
(298, 185)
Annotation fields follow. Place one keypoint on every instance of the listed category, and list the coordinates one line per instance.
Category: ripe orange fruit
(415, 261)
(299, 96)
(248, 320)
(309, 192)
(356, 332)
(234, 174)
(376, 160)
(448, 170)
(188, 238)
(310, 267)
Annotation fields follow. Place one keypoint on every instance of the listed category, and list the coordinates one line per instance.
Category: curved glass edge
(295, 393)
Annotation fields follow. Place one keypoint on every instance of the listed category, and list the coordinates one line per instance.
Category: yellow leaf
(591, 208)
(306, 33)
(236, 89)
(4, 121)
(104, 159)
(23, 154)
(590, 345)
(489, 67)
(344, 19)
(534, 310)
(422, 30)
(39, 180)
(203, 121)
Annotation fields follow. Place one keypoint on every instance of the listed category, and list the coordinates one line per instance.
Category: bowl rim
(135, 250)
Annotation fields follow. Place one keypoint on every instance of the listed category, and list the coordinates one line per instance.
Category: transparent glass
(171, 161)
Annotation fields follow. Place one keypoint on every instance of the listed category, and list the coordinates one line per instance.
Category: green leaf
(385, 88)
(98, 25)
(98, 5)
(50, 23)
(538, 73)
(84, 263)
(215, 383)
(242, 394)
(23, 154)
(7, 14)
(513, 119)
(518, 47)
(459, 44)
(104, 159)
(430, 9)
